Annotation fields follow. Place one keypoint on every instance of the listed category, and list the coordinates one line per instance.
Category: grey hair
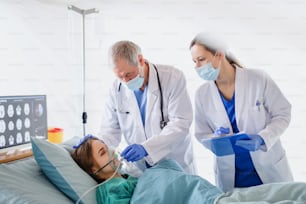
(213, 44)
(125, 50)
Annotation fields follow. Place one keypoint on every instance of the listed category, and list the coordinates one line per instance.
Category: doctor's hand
(221, 131)
(252, 144)
(134, 153)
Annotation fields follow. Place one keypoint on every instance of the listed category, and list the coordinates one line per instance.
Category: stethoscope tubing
(163, 123)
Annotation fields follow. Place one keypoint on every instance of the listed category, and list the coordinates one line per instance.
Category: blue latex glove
(253, 143)
(221, 131)
(134, 153)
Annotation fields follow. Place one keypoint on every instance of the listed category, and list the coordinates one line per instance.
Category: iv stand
(83, 13)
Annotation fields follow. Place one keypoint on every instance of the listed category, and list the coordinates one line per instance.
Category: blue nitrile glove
(134, 153)
(253, 143)
(221, 131)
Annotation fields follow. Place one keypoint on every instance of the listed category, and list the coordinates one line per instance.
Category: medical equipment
(83, 12)
(252, 144)
(85, 193)
(21, 117)
(135, 84)
(163, 122)
(118, 101)
(115, 157)
(222, 146)
(22, 187)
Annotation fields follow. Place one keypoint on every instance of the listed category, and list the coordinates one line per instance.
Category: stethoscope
(162, 123)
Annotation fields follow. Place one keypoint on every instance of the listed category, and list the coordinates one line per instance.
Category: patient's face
(102, 158)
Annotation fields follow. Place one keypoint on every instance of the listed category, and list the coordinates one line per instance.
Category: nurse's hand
(134, 153)
(253, 143)
(221, 131)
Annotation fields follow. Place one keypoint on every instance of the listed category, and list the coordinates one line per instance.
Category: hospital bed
(25, 182)
(166, 183)
(32, 180)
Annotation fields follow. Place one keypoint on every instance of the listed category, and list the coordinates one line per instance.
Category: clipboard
(225, 145)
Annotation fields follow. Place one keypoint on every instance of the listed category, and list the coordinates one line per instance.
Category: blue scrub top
(245, 172)
(141, 97)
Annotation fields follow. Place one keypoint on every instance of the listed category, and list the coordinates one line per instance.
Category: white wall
(41, 52)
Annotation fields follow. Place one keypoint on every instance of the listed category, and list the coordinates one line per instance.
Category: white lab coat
(269, 118)
(174, 141)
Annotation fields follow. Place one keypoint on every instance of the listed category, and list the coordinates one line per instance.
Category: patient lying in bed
(167, 183)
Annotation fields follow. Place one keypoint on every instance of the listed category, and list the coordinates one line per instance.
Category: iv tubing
(90, 189)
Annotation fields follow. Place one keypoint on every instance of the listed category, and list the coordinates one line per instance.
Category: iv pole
(83, 13)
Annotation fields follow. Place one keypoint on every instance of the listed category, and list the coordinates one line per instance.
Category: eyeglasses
(84, 139)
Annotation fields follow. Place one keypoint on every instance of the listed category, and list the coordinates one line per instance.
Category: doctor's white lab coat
(260, 108)
(122, 117)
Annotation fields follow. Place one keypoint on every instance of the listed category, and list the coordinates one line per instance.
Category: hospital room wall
(41, 53)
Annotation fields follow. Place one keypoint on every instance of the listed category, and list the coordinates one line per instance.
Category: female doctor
(149, 106)
(237, 99)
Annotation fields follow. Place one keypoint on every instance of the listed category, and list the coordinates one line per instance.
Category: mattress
(22, 182)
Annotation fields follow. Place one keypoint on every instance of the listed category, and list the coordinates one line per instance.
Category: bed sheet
(276, 193)
(166, 183)
(22, 182)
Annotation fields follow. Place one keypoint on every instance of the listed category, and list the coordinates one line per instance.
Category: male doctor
(150, 107)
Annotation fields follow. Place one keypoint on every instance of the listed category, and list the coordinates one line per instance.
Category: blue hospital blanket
(167, 183)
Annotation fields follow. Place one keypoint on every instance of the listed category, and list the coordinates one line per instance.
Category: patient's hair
(82, 155)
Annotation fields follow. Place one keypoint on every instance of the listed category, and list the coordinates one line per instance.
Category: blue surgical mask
(135, 84)
(208, 72)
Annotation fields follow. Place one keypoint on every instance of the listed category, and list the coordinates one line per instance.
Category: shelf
(15, 155)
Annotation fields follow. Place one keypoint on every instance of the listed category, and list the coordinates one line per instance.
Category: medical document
(225, 145)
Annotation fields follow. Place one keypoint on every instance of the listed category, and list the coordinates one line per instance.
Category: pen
(258, 105)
